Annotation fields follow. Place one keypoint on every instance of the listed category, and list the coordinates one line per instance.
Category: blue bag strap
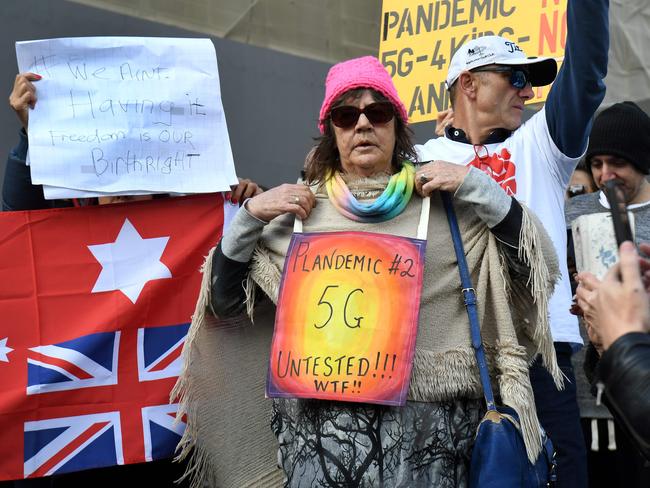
(469, 295)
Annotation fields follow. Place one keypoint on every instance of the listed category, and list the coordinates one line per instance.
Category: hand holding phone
(616, 197)
(597, 236)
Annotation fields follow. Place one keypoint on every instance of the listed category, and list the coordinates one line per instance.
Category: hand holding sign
(125, 115)
(23, 96)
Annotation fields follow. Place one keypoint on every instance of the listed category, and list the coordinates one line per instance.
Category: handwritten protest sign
(56, 192)
(419, 38)
(347, 317)
(123, 114)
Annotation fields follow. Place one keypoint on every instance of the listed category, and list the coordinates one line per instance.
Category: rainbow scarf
(390, 203)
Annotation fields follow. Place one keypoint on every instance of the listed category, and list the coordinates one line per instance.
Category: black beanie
(623, 130)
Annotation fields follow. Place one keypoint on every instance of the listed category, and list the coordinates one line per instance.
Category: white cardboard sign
(126, 114)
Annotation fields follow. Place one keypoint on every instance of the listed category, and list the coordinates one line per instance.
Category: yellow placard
(419, 38)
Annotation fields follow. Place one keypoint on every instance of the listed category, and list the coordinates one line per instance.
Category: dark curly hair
(325, 156)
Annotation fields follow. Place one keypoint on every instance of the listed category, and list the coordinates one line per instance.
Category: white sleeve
(544, 150)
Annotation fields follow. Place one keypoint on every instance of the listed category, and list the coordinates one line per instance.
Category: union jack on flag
(95, 305)
(78, 363)
(65, 444)
(159, 351)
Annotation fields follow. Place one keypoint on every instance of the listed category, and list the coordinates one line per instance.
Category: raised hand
(444, 119)
(23, 96)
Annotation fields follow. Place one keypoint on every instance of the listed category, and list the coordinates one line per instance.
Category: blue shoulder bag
(499, 458)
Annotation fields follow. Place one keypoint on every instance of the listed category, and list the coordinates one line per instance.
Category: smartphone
(616, 197)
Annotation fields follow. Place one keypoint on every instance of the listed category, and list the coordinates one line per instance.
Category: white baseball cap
(486, 50)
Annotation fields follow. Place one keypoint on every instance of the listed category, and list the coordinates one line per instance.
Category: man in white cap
(489, 80)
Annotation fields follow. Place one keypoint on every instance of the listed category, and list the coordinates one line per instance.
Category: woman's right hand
(23, 96)
(288, 198)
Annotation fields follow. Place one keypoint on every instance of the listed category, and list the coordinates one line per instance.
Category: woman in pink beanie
(359, 181)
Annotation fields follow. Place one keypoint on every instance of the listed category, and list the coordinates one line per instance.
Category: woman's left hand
(439, 175)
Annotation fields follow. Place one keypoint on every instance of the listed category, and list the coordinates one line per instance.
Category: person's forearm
(227, 294)
(18, 192)
(500, 212)
(242, 236)
(579, 88)
(231, 262)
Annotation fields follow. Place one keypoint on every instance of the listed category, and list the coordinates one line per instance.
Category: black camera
(575, 190)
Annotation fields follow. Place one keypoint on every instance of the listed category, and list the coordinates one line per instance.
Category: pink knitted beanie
(365, 72)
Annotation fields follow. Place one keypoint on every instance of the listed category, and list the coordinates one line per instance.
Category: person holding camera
(619, 148)
(618, 311)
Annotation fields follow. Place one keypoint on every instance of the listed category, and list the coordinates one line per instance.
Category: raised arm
(579, 88)
(18, 192)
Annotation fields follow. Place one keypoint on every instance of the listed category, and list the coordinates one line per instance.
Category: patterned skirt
(345, 445)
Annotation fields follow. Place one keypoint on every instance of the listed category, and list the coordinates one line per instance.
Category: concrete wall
(329, 30)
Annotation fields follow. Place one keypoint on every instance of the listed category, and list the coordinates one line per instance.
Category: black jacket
(18, 192)
(624, 371)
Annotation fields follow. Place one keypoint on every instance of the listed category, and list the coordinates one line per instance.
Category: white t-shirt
(529, 166)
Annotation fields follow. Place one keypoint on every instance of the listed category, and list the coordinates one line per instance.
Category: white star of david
(129, 262)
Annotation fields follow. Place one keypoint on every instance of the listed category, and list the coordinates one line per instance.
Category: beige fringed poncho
(512, 312)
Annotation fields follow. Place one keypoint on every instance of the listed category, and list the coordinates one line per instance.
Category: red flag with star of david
(95, 304)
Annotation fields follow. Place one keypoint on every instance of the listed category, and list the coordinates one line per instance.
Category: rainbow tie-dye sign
(347, 317)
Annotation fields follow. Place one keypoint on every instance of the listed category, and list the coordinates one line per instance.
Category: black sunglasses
(518, 76)
(347, 116)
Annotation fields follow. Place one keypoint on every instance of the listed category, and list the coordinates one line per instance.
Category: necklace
(390, 203)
